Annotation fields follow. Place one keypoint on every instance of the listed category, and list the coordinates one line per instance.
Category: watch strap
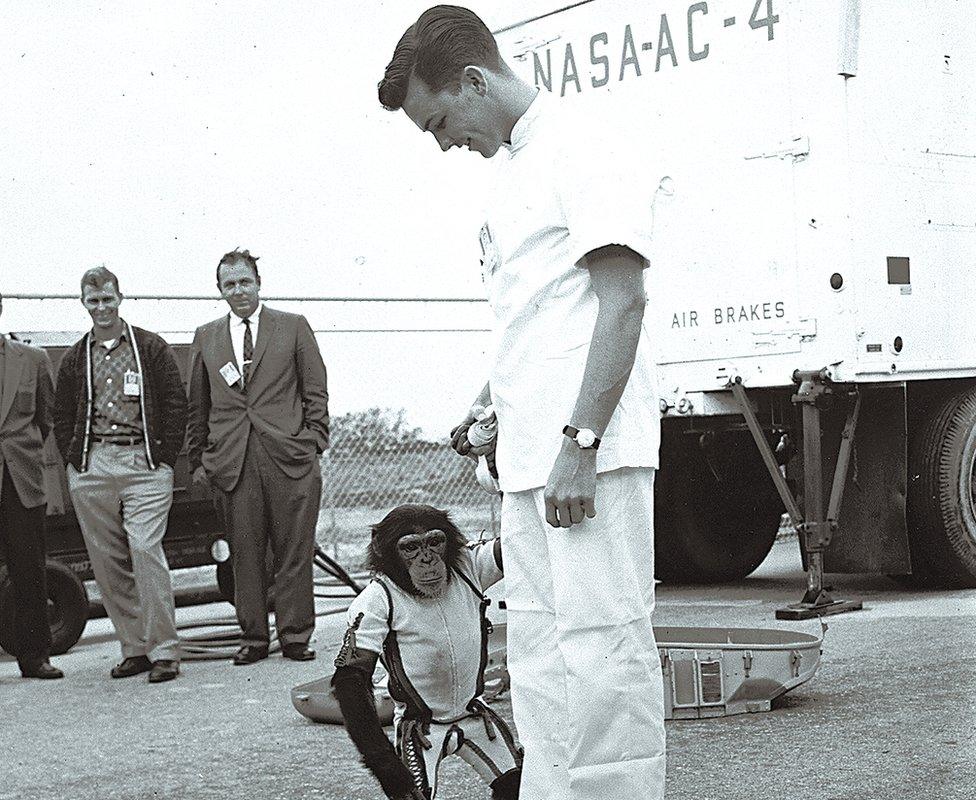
(572, 432)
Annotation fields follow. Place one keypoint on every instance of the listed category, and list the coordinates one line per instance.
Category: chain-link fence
(376, 462)
(392, 353)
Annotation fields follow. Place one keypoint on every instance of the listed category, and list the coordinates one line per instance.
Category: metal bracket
(814, 392)
(797, 148)
(766, 451)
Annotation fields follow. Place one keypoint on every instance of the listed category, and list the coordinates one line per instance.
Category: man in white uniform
(564, 248)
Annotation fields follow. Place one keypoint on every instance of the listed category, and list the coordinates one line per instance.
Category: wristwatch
(584, 437)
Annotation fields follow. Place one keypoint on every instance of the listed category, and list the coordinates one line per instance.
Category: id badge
(490, 255)
(229, 373)
(130, 384)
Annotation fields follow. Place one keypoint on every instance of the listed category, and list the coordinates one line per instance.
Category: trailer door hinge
(797, 149)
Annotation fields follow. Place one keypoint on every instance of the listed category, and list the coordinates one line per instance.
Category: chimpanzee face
(423, 555)
(417, 547)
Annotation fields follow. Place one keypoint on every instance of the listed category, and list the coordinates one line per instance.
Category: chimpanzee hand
(461, 445)
(459, 436)
(490, 458)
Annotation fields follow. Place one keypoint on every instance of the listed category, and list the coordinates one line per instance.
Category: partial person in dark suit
(259, 420)
(26, 397)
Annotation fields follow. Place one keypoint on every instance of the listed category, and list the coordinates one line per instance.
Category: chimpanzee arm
(353, 685)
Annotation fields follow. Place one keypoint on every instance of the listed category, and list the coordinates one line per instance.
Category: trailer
(811, 175)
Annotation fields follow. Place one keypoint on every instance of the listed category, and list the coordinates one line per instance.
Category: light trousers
(587, 689)
(123, 507)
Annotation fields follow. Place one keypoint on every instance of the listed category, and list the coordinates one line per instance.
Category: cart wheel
(942, 493)
(67, 608)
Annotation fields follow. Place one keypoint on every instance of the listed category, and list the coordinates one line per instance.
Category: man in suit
(259, 419)
(26, 396)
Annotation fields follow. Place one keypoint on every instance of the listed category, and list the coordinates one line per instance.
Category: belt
(124, 441)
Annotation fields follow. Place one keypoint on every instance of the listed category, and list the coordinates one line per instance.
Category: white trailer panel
(815, 171)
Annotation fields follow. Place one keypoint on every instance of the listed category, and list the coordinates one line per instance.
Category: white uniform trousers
(587, 690)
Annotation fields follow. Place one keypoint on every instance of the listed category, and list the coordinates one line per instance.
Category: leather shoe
(250, 654)
(297, 652)
(164, 670)
(133, 665)
(42, 670)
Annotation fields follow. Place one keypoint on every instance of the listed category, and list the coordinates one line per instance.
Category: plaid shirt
(115, 413)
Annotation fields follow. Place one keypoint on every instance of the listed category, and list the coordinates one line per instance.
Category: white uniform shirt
(554, 201)
(237, 333)
(439, 638)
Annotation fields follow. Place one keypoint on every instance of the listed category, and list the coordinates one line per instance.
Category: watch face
(585, 437)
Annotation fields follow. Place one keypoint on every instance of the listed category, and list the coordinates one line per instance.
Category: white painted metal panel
(787, 143)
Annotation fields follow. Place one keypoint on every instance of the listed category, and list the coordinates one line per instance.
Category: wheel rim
(972, 487)
(55, 617)
(967, 486)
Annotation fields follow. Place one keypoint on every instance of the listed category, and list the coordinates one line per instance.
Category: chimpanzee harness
(491, 750)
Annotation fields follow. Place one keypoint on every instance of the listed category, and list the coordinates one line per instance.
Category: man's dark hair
(238, 256)
(436, 48)
(97, 278)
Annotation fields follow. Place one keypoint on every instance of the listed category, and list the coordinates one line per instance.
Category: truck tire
(67, 608)
(711, 531)
(942, 494)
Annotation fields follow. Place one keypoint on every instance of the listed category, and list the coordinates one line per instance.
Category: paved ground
(890, 714)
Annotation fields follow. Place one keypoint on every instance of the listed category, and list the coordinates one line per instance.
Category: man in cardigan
(120, 420)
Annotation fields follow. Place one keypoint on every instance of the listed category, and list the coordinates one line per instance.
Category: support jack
(814, 390)
(817, 601)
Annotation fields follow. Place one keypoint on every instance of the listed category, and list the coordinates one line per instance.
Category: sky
(153, 137)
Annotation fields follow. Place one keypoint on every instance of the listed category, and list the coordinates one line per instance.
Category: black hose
(223, 644)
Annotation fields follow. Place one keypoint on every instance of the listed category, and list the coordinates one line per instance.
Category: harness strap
(410, 745)
(401, 689)
(486, 629)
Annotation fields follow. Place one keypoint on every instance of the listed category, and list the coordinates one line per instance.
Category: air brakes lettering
(757, 312)
(685, 319)
(602, 47)
(732, 315)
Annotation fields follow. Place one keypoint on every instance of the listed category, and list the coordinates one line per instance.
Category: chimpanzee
(423, 616)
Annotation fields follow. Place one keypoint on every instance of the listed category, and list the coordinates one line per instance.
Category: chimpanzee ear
(374, 552)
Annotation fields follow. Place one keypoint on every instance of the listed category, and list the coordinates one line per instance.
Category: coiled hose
(223, 643)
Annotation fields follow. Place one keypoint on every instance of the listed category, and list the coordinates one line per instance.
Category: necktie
(248, 352)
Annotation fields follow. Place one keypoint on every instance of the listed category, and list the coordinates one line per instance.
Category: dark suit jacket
(25, 418)
(286, 402)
